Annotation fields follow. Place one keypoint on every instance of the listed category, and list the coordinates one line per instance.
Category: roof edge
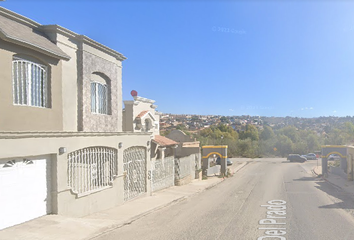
(29, 23)
(102, 47)
(55, 28)
(83, 39)
(142, 99)
(35, 47)
(18, 17)
(172, 142)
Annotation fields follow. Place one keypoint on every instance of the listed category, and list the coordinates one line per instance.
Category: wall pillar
(350, 167)
(324, 166)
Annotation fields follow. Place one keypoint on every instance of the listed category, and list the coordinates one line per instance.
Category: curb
(328, 181)
(211, 186)
(137, 217)
(240, 167)
(133, 219)
(314, 172)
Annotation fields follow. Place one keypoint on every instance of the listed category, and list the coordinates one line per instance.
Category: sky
(229, 57)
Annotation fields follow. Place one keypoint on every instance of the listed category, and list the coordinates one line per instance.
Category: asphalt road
(303, 206)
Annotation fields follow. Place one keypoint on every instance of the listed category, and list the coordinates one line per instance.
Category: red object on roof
(142, 114)
(163, 141)
(134, 93)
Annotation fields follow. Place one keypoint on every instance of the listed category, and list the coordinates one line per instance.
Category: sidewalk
(52, 227)
(337, 180)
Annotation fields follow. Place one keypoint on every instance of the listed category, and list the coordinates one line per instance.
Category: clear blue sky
(268, 58)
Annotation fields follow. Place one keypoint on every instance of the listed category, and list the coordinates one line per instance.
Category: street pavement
(53, 227)
(304, 205)
(265, 198)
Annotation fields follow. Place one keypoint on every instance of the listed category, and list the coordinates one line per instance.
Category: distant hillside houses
(190, 122)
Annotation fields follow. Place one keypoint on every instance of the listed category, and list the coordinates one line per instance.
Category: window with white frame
(99, 98)
(30, 83)
(91, 169)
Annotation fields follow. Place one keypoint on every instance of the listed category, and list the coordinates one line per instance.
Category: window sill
(101, 114)
(24, 105)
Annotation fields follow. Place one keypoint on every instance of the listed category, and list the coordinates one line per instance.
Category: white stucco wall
(134, 108)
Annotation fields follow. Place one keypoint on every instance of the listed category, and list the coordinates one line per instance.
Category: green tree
(232, 148)
(266, 147)
(247, 148)
(284, 145)
(181, 127)
(227, 131)
(335, 137)
(251, 132)
(300, 148)
(224, 119)
(206, 132)
(291, 132)
(220, 134)
(349, 127)
(267, 133)
(223, 127)
(313, 143)
(217, 133)
(349, 132)
(165, 133)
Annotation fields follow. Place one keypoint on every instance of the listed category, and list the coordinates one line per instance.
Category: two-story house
(62, 145)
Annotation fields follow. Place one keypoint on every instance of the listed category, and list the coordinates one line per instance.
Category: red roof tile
(142, 114)
(164, 141)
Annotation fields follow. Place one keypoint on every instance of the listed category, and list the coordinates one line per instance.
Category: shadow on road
(290, 162)
(308, 179)
(343, 199)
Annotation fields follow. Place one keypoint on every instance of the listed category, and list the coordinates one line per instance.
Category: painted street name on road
(275, 216)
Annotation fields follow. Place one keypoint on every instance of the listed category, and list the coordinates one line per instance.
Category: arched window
(147, 125)
(100, 99)
(30, 83)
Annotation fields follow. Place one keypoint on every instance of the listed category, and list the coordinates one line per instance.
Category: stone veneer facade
(92, 122)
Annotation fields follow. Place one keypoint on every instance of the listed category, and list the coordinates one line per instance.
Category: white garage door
(23, 190)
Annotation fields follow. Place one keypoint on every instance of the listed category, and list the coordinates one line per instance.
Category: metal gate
(163, 173)
(134, 160)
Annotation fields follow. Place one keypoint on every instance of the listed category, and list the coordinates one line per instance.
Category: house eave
(142, 99)
(102, 47)
(83, 39)
(32, 46)
(22, 42)
(15, 135)
(18, 17)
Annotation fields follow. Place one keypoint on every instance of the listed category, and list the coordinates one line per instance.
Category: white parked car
(334, 157)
